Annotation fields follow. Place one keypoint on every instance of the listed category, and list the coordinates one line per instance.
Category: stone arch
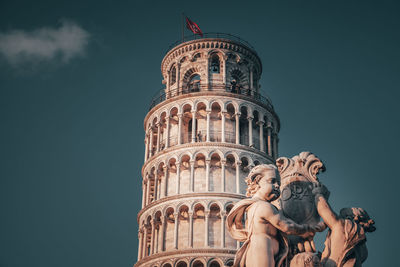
(215, 151)
(202, 151)
(184, 106)
(234, 104)
(220, 103)
(198, 262)
(220, 52)
(170, 109)
(189, 73)
(182, 263)
(183, 59)
(214, 202)
(215, 262)
(195, 55)
(196, 104)
(229, 262)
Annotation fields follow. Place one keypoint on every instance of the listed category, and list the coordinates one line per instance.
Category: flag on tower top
(193, 27)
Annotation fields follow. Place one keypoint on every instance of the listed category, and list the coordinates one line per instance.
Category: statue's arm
(284, 224)
(325, 211)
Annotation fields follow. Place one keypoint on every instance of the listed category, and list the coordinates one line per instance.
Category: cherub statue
(264, 235)
(345, 244)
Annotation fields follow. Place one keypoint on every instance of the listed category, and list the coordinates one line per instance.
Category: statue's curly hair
(255, 176)
(359, 216)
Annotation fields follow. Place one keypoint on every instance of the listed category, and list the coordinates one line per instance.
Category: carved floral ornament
(303, 167)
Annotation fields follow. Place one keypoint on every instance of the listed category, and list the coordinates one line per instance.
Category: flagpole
(183, 22)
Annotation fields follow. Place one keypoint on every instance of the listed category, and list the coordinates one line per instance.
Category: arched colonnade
(185, 226)
(211, 121)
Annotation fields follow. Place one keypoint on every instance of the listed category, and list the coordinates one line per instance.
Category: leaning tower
(204, 131)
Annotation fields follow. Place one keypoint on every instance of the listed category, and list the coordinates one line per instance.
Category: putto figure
(264, 233)
(345, 243)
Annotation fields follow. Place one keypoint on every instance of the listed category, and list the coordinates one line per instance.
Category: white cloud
(44, 44)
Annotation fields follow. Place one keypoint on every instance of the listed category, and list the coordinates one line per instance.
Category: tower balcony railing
(165, 94)
(207, 35)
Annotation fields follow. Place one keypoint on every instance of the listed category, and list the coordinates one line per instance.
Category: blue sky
(76, 80)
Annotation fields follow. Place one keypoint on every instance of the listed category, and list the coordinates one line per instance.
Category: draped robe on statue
(235, 226)
(355, 236)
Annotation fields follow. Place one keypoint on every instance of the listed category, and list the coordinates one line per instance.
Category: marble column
(238, 177)
(191, 184)
(208, 162)
(167, 130)
(193, 126)
(146, 245)
(250, 119)
(153, 226)
(223, 164)
(143, 193)
(164, 182)
(151, 142)
(146, 149)
(208, 126)
(178, 176)
(180, 116)
(158, 136)
(251, 79)
(206, 228)
(190, 244)
(144, 241)
(176, 217)
(148, 191)
(269, 140)
(237, 128)
(223, 217)
(157, 238)
(178, 76)
(261, 125)
(163, 227)
(168, 82)
(155, 191)
(140, 237)
(223, 126)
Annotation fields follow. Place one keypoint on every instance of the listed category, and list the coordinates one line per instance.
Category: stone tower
(204, 132)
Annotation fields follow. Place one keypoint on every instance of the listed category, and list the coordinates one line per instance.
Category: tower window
(194, 82)
(173, 75)
(215, 64)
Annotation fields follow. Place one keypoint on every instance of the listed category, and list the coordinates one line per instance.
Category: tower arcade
(203, 133)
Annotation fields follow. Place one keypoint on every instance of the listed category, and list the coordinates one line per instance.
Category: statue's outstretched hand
(320, 189)
(321, 226)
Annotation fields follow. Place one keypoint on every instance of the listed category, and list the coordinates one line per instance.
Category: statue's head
(359, 216)
(263, 181)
